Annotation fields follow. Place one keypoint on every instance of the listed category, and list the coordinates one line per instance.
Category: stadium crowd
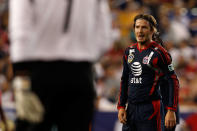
(178, 29)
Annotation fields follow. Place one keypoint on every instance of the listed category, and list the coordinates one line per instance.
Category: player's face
(143, 31)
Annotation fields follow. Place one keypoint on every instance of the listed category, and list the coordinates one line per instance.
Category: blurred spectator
(193, 26)
(185, 90)
(125, 15)
(194, 46)
(175, 53)
(190, 123)
(153, 6)
(107, 85)
(6, 66)
(178, 30)
(7, 105)
(4, 41)
(164, 21)
(2, 113)
(191, 68)
(185, 50)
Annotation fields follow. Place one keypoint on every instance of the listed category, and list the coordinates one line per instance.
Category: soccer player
(54, 44)
(143, 64)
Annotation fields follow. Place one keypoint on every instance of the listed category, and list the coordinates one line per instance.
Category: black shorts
(66, 91)
(147, 116)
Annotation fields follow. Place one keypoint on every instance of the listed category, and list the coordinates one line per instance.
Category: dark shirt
(142, 70)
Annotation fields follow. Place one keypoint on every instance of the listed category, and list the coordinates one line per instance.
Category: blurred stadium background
(177, 23)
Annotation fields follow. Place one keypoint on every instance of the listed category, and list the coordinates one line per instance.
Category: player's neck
(143, 45)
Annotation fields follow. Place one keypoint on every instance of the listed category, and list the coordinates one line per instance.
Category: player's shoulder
(159, 48)
(161, 51)
(131, 46)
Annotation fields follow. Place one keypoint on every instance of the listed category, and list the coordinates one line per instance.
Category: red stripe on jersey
(132, 45)
(146, 47)
(176, 85)
(159, 117)
(155, 82)
(167, 57)
(170, 108)
(160, 47)
(120, 107)
(125, 56)
(157, 112)
(159, 54)
(155, 60)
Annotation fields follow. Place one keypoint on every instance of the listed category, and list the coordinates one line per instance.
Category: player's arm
(167, 68)
(165, 63)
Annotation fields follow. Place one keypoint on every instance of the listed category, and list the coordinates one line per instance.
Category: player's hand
(122, 116)
(170, 119)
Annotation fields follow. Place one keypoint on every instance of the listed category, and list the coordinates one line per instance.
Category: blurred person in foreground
(143, 64)
(53, 47)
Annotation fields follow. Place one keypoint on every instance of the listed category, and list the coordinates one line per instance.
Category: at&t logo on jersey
(136, 69)
(136, 80)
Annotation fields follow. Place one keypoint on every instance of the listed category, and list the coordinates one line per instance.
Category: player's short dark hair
(152, 21)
